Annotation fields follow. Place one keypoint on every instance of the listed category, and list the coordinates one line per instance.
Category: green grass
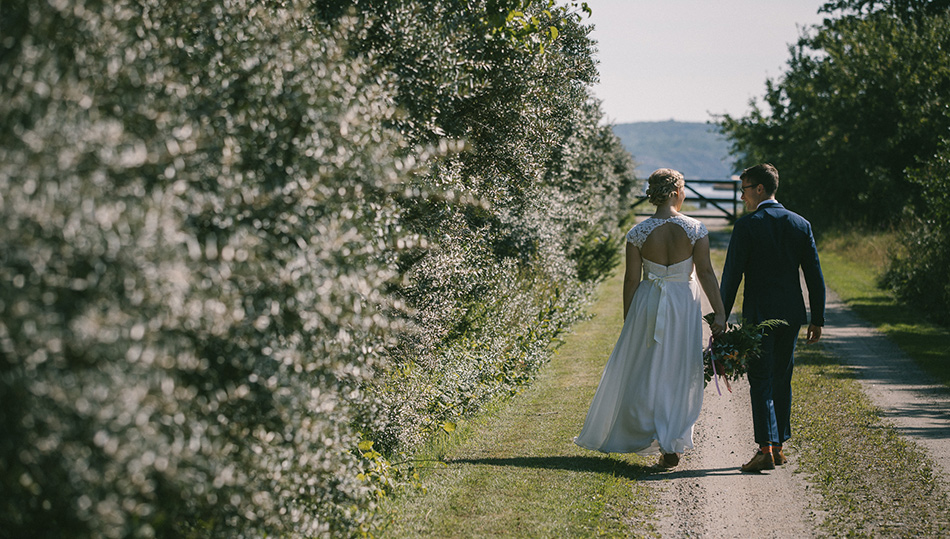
(874, 483)
(852, 264)
(515, 471)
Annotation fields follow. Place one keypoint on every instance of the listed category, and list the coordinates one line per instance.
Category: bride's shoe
(668, 461)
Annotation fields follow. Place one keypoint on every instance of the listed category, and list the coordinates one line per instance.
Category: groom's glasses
(744, 187)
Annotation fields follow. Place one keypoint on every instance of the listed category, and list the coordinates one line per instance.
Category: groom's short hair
(764, 174)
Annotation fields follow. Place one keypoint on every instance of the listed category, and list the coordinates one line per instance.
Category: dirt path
(707, 496)
(710, 497)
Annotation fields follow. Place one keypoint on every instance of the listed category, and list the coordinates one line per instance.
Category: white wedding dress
(651, 391)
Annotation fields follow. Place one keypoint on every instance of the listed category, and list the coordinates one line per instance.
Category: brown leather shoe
(761, 461)
(778, 456)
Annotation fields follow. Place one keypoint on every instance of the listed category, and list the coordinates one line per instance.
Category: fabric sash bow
(662, 307)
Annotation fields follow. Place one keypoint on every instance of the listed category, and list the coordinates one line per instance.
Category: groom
(768, 246)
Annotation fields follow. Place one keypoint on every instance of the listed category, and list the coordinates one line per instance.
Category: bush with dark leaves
(244, 245)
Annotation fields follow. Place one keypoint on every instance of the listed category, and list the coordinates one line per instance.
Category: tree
(864, 95)
(919, 272)
(530, 203)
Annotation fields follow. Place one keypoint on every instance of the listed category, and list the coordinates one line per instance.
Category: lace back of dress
(693, 228)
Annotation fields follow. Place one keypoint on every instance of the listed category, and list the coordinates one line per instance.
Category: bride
(651, 391)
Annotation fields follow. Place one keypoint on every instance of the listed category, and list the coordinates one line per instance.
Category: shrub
(252, 249)
(193, 203)
(918, 272)
(508, 271)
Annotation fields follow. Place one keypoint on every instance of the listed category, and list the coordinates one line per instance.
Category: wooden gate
(728, 206)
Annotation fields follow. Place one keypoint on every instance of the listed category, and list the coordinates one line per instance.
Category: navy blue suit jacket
(767, 247)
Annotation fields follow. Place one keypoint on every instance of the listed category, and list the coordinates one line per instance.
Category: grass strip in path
(515, 472)
(874, 482)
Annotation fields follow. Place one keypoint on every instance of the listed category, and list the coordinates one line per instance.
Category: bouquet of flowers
(728, 353)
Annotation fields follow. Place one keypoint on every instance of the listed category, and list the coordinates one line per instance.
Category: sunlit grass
(852, 264)
(514, 472)
(871, 248)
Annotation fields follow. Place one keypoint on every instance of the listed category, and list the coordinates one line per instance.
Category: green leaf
(366, 445)
(448, 426)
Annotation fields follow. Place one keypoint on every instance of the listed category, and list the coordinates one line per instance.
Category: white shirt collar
(766, 200)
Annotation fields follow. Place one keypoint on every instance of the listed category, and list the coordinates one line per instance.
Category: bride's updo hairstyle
(662, 184)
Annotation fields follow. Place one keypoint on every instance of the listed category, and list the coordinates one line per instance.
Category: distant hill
(697, 150)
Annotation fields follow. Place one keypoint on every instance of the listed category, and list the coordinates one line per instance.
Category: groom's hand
(814, 333)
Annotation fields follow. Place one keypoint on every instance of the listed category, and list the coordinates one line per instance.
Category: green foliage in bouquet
(731, 351)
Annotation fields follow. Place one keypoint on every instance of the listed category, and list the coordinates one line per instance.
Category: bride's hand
(719, 324)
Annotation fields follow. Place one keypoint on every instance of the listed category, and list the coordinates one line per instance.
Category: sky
(688, 60)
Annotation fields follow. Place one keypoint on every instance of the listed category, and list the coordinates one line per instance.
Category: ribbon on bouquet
(716, 375)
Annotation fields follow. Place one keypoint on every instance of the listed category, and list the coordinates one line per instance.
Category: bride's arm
(707, 278)
(631, 277)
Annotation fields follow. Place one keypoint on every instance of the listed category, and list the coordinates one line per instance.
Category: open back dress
(651, 391)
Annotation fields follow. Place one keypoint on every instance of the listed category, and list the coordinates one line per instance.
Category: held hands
(718, 325)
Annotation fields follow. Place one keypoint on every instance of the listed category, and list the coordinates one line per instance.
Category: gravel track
(916, 405)
(707, 495)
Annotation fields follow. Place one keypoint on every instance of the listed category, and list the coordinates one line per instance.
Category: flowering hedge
(246, 243)
(506, 274)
